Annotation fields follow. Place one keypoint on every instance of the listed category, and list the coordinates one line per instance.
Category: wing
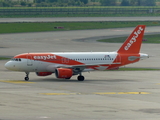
(85, 65)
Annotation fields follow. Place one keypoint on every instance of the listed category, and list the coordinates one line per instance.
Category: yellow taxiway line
(131, 93)
(58, 93)
(15, 81)
(98, 93)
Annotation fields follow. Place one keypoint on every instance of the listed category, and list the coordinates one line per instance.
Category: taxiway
(104, 95)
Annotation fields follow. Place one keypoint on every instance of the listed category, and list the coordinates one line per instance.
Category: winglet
(133, 42)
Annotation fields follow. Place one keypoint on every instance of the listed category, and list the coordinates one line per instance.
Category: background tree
(125, 3)
(39, 1)
(133, 2)
(51, 1)
(6, 3)
(143, 2)
(29, 4)
(108, 2)
(146, 2)
(150, 2)
(23, 3)
(78, 3)
(139, 2)
(84, 1)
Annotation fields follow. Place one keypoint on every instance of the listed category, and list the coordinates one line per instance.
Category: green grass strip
(137, 69)
(4, 58)
(65, 26)
(80, 15)
(147, 39)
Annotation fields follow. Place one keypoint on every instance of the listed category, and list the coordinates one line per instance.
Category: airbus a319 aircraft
(65, 65)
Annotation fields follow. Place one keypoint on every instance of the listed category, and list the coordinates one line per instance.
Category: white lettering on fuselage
(47, 57)
(134, 38)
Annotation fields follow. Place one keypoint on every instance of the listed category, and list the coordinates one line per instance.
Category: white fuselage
(42, 63)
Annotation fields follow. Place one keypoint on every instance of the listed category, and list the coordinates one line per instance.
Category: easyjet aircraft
(65, 65)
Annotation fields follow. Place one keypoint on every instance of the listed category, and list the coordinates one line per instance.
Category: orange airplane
(65, 65)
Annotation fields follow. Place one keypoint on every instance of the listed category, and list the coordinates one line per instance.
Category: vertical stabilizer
(133, 43)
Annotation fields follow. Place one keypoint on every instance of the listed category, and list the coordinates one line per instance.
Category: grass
(137, 69)
(4, 58)
(78, 15)
(147, 39)
(33, 15)
(42, 27)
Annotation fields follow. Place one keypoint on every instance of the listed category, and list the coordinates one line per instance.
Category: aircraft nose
(8, 65)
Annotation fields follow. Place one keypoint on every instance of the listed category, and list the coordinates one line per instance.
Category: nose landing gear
(26, 78)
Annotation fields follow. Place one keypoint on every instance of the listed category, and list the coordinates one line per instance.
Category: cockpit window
(15, 59)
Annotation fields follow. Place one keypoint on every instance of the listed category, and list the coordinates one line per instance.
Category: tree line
(138, 3)
(52, 3)
(129, 2)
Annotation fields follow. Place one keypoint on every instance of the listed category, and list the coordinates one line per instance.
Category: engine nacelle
(63, 73)
(43, 73)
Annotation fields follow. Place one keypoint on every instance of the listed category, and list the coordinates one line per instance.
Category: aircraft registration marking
(15, 81)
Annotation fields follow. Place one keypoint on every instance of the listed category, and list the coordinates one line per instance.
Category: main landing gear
(80, 77)
(26, 78)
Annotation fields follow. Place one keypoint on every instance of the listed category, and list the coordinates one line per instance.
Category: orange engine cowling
(63, 73)
(43, 73)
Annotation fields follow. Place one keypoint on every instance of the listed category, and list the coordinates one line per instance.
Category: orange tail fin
(134, 41)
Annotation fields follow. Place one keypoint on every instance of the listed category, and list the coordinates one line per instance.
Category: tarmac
(104, 95)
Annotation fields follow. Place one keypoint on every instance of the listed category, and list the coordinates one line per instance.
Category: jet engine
(64, 73)
(43, 73)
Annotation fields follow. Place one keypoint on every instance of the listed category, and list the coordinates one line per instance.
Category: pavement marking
(131, 93)
(15, 81)
(98, 93)
(58, 93)
(105, 93)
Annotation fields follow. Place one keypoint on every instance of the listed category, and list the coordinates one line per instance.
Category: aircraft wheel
(80, 78)
(26, 78)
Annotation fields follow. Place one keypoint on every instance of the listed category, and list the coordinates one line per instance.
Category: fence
(56, 11)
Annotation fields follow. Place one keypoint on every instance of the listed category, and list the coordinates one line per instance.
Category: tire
(26, 78)
(80, 78)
